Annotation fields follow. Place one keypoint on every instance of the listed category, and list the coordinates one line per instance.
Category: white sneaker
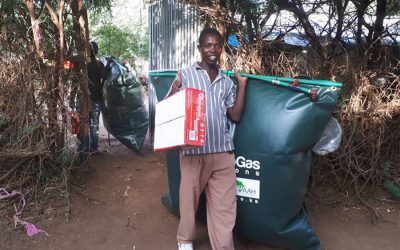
(185, 246)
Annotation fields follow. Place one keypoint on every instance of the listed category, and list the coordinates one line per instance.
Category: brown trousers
(214, 173)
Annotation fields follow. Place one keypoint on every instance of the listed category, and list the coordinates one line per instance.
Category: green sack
(125, 112)
(273, 156)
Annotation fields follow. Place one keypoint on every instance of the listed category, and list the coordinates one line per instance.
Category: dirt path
(118, 207)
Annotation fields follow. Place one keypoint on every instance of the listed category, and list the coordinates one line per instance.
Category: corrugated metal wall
(173, 29)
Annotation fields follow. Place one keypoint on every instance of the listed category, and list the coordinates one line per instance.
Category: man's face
(210, 49)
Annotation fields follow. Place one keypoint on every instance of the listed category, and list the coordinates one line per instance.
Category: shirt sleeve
(183, 82)
(231, 97)
(184, 78)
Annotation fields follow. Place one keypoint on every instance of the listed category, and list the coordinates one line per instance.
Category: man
(210, 168)
(95, 73)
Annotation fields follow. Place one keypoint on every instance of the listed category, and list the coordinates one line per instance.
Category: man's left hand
(242, 81)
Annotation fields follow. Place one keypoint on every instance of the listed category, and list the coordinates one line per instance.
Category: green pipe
(284, 84)
(265, 78)
(286, 79)
(155, 73)
(258, 77)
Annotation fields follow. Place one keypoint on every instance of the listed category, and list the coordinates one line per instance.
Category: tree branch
(53, 15)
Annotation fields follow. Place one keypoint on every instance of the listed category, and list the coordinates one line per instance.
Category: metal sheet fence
(173, 31)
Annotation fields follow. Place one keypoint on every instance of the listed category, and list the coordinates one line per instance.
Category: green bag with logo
(273, 142)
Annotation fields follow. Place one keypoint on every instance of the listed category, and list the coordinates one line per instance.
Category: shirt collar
(197, 66)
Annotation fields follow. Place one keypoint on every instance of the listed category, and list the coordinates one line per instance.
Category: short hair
(94, 47)
(210, 31)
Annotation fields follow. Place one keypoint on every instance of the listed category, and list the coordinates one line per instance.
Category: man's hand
(314, 95)
(177, 84)
(242, 81)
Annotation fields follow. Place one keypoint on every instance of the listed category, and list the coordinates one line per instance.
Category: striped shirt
(220, 95)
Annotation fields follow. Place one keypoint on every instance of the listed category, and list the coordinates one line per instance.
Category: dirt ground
(116, 205)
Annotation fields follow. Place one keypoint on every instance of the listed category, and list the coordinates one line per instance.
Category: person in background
(210, 168)
(128, 66)
(143, 81)
(96, 80)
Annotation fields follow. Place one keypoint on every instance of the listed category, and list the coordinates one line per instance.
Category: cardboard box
(180, 121)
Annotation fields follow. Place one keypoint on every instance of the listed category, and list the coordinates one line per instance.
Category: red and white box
(180, 121)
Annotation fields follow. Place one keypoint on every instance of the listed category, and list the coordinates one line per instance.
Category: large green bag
(273, 156)
(125, 111)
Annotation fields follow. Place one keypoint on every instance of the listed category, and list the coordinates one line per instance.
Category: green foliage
(393, 8)
(98, 5)
(13, 16)
(7, 6)
(66, 156)
(393, 189)
(3, 122)
(120, 43)
(387, 166)
(26, 135)
(99, 18)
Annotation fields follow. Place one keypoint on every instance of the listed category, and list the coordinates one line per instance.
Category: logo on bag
(239, 185)
(248, 188)
(247, 166)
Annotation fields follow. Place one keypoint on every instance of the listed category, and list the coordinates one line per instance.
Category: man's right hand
(177, 84)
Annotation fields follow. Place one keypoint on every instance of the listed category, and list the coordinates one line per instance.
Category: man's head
(94, 48)
(210, 46)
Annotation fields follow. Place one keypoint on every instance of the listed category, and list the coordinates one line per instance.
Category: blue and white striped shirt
(220, 95)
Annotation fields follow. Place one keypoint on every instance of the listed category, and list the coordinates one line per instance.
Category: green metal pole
(266, 78)
(287, 79)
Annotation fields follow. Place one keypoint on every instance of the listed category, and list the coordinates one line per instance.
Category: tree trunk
(222, 30)
(50, 84)
(81, 31)
(61, 78)
(59, 82)
(375, 57)
(361, 7)
(37, 37)
(310, 33)
(340, 7)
